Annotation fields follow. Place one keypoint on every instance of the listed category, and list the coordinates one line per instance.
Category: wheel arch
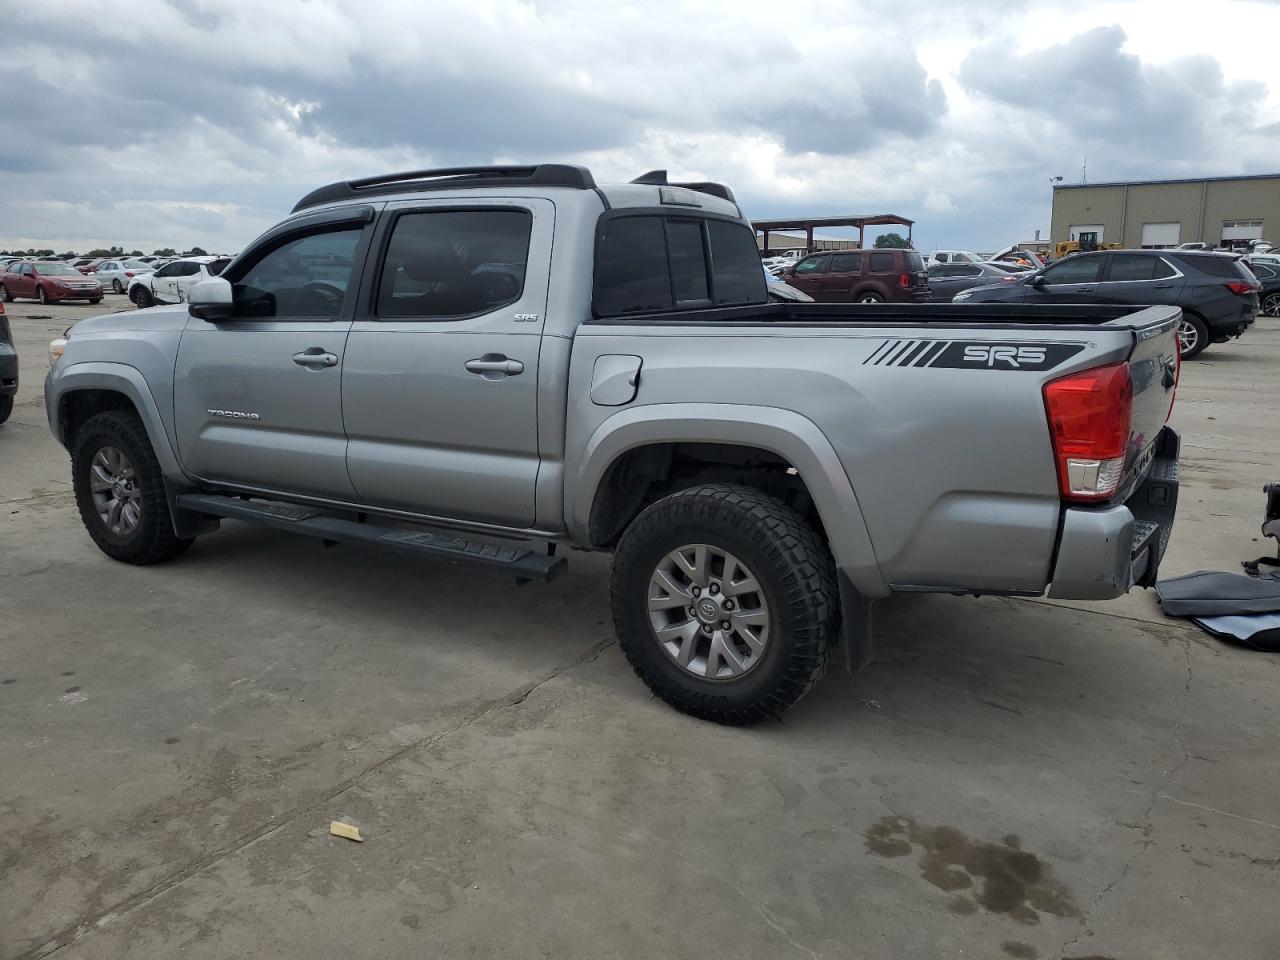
(642, 443)
(84, 389)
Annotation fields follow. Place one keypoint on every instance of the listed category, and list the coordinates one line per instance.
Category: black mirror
(1037, 280)
(211, 300)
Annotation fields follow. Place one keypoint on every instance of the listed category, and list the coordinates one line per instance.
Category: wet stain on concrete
(411, 920)
(68, 673)
(8, 680)
(172, 740)
(71, 690)
(1023, 951)
(962, 906)
(1008, 880)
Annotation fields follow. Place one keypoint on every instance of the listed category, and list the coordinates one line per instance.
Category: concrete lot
(1009, 778)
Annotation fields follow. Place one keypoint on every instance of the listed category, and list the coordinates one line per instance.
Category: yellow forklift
(1087, 241)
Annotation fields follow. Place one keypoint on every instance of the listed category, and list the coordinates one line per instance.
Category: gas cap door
(615, 379)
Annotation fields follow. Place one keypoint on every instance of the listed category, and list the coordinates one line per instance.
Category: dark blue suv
(1216, 291)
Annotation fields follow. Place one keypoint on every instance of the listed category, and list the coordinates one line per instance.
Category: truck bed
(996, 315)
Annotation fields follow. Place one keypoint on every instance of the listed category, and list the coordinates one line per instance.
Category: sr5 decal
(962, 355)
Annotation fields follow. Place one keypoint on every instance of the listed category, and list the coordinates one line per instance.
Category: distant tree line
(104, 252)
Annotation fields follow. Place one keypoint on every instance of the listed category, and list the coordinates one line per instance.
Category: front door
(1073, 279)
(164, 283)
(440, 382)
(258, 397)
(808, 274)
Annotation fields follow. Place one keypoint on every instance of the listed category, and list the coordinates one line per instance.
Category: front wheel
(141, 297)
(1193, 336)
(1271, 305)
(724, 602)
(5, 295)
(120, 490)
(868, 298)
(42, 296)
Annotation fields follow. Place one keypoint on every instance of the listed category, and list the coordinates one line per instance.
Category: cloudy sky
(178, 122)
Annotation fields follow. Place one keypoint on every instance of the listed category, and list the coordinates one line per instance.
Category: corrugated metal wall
(1199, 207)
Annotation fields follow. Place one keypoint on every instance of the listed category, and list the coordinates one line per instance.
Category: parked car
(85, 264)
(861, 276)
(1216, 291)
(781, 291)
(952, 256)
(662, 410)
(48, 281)
(948, 279)
(114, 275)
(170, 282)
(8, 367)
(1268, 275)
(1008, 266)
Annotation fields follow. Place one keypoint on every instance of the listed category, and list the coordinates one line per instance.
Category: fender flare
(123, 379)
(783, 432)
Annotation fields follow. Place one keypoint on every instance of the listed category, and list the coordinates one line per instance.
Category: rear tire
(6, 407)
(728, 675)
(868, 298)
(112, 463)
(116, 287)
(1193, 336)
(1271, 305)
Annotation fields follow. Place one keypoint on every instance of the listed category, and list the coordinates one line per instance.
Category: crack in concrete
(73, 933)
(1156, 794)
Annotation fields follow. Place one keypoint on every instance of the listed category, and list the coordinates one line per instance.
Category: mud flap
(856, 626)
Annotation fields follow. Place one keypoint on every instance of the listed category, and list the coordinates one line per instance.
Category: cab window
(304, 277)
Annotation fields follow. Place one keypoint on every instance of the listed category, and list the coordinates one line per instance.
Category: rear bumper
(8, 370)
(1103, 552)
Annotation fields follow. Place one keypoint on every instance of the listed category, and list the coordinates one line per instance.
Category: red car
(861, 276)
(47, 281)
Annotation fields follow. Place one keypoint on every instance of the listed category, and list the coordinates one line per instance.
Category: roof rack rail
(452, 178)
(658, 178)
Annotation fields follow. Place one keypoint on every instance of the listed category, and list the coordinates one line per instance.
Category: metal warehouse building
(1164, 213)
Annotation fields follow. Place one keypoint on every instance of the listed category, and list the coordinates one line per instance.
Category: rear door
(1138, 278)
(440, 381)
(842, 273)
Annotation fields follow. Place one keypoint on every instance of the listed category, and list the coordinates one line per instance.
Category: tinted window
(187, 269)
(813, 264)
(1129, 266)
(218, 266)
(1074, 270)
(881, 262)
(688, 261)
(631, 267)
(846, 263)
(913, 261)
(1217, 265)
(1264, 272)
(735, 264)
(454, 263)
(306, 277)
(168, 270)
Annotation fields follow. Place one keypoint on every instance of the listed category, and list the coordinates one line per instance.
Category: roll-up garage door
(1160, 234)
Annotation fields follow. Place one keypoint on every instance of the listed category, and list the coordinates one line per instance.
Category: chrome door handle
(494, 366)
(315, 357)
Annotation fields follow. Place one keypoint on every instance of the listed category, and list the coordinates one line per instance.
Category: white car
(116, 275)
(171, 282)
(952, 256)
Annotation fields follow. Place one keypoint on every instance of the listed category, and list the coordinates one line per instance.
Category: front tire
(42, 296)
(5, 295)
(120, 490)
(6, 407)
(770, 579)
(1271, 305)
(141, 297)
(1193, 336)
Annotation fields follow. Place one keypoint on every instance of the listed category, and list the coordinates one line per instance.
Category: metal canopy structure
(807, 224)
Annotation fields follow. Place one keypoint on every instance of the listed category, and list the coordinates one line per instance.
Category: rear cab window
(648, 263)
(1218, 265)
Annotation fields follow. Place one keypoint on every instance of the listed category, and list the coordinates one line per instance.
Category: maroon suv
(861, 276)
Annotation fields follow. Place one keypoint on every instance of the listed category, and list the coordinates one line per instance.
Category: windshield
(57, 270)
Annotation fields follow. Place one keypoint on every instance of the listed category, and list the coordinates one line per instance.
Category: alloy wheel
(116, 496)
(708, 612)
(1271, 305)
(1188, 337)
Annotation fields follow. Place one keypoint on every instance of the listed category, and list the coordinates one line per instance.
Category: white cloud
(204, 120)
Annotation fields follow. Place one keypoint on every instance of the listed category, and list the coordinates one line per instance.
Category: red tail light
(1089, 419)
(128, 273)
(1242, 287)
(904, 280)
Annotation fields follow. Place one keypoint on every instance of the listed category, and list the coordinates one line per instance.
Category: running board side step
(499, 558)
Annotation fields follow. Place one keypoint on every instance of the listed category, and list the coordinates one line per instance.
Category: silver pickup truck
(488, 364)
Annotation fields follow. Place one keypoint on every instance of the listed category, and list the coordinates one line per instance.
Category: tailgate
(1153, 368)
